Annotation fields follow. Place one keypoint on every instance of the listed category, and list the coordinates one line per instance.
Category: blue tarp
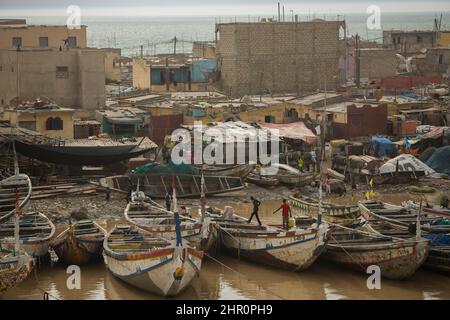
(438, 239)
(383, 146)
(440, 160)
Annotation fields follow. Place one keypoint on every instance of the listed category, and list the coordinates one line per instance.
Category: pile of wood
(63, 189)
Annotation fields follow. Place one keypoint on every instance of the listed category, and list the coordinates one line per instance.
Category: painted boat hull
(234, 171)
(438, 260)
(78, 252)
(8, 194)
(262, 181)
(292, 252)
(336, 214)
(79, 249)
(202, 236)
(35, 247)
(156, 186)
(14, 271)
(72, 155)
(397, 261)
(158, 274)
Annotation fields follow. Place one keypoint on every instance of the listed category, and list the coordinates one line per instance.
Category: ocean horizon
(155, 33)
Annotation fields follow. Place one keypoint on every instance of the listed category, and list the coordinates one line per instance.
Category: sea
(156, 33)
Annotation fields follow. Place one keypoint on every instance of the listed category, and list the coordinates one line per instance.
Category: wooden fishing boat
(337, 214)
(13, 269)
(434, 210)
(187, 186)
(439, 259)
(240, 170)
(388, 219)
(264, 181)
(399, 217)
(145, 214)
(151, 263)
(290, 176)
(36, 232)
(11, 188)
(76, 152)
(397, 258)
(80, 243)
(294, 250)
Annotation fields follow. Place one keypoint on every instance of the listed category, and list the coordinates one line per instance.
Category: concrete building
(123, 122)
(443, 39)
(353, 119)
(436, 62)
(377, 63)
(279, 57)
(174, 73)
(409, 41)
(41, 116)
(73, 78)
(312, 106)
(15, 32)
(204, 49)
(113, 71)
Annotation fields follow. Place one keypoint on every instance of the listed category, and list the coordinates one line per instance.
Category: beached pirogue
(36, 232)
(345, 215)
(15, 264)
(295, 249)
(16, 188)
(14, 268)
(151, 263)
(401, 222)
(80, 243)
(145, 214)
(397, 258)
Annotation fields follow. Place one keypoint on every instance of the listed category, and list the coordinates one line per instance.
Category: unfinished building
(280, 57)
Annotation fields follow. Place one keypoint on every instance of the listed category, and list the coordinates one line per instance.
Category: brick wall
(281, 57)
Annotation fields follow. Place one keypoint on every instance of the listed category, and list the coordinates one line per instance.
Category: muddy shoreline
(59, 209)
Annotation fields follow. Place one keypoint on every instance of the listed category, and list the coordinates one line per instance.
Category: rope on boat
(235, 239)
(347, 253)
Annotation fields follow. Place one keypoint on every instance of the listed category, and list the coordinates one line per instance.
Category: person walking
(168, 200)
(285, 213)
(328, 185)
(108, 194)
(129, 192)
(256, 204)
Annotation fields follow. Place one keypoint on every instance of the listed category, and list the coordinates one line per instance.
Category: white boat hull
(294, 250)
(166, 275)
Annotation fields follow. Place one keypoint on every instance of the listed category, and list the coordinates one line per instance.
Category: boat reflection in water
(248, 281)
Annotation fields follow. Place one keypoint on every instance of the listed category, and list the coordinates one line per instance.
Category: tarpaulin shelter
(440, 160)
(293, 131)
(406, 163)
(383, 146)
(434, 133)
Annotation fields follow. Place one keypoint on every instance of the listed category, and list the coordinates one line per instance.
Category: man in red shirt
(286, 213)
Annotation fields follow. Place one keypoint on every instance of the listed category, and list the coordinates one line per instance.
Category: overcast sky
(211, 7)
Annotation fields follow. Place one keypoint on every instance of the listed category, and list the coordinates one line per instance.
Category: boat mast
(202, 198)
(176, 215)
(322, 153)
(418, 229)
(17, 209)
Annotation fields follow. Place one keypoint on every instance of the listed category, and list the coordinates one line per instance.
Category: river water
(227, 277)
